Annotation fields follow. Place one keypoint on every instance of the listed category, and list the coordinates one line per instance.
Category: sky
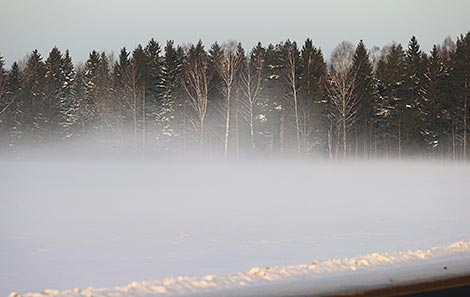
(84, 25)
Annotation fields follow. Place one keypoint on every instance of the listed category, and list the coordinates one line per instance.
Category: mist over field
(67, 224)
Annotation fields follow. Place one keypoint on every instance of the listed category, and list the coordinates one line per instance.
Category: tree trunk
(252, 132)
(305, 130)
(134, 107)
(465, 124)
(227, 124)
(201, 132)
(338, 137)
(453, 141)
(357, 143)
(345, 146)
(144, 127)
(281, 133)
(330, 145)
(237, 140)
(399, 139)
(297, 126)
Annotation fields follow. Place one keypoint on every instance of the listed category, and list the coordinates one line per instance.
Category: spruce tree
(4, 102)
(365, 92)
(89, 107)
(153, 94)
(433, 108)
(69, 105)
(449, 113)
(272, 116)
(461, 84)
(217, 107)
(3, 83)
(412, 103)
(138, 79)
(312, 71)
(171, 115)
(106, 102)
(390, 74)
(13, 123)
(34, 116)
(55, 81)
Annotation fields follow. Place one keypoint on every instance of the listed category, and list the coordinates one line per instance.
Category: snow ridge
(257, 277)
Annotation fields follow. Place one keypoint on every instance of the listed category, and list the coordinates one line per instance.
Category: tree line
(279, 99)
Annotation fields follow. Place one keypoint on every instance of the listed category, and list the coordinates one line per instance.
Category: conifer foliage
(275, 99)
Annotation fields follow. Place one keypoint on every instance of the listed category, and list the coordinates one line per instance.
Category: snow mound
(376, 270)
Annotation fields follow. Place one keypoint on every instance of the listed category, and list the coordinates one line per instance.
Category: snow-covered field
(79, 225)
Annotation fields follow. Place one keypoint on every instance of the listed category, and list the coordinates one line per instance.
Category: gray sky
(83, 25)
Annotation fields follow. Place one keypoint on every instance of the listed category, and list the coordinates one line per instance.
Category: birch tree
(227, 67)
(340, 87)
(195, 82)
(292, 76)
(251, 78)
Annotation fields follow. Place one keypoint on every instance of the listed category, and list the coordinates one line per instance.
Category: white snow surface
(103, 225)
(318, 278)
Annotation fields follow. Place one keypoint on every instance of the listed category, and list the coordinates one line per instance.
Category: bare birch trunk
(134, 107)
(237, 140)
(330, 145)
(227, 123)
(465, 124)
(293, 85)
(338, 137)
(345, 146)
(252, 132)
(281, 133)
(399, 139)
(144, 124)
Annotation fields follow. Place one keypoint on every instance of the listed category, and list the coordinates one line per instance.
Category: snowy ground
(76, 225)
